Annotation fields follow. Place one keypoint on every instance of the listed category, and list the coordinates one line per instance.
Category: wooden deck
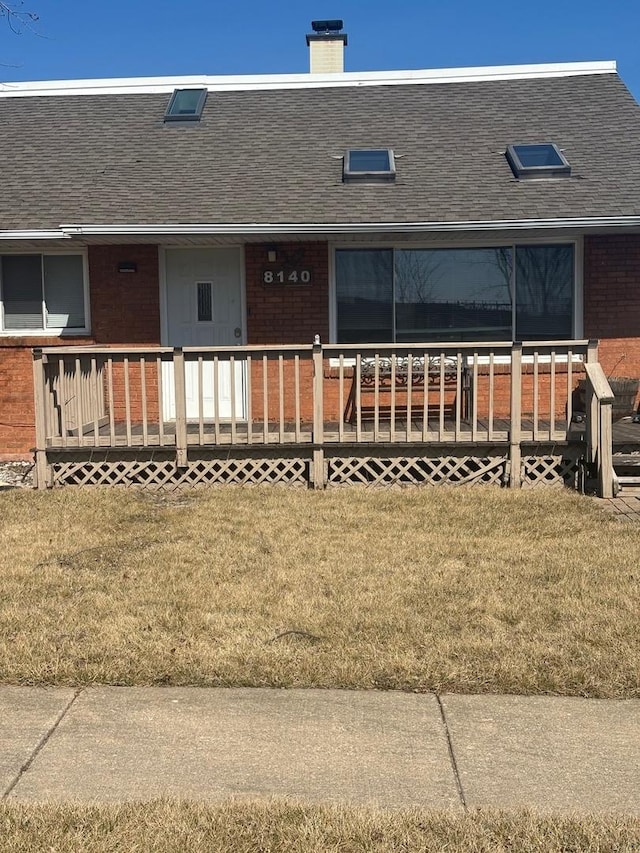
(493, 413)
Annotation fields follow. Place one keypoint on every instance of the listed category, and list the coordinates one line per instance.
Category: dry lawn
(467, 590)
(281, 827)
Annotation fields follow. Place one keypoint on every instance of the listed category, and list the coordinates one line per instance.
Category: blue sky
(122, 38)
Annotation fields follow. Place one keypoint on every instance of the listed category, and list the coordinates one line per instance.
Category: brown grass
(477, 590)
(281, 827)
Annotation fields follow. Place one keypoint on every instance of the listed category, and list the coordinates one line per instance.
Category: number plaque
(291, 276)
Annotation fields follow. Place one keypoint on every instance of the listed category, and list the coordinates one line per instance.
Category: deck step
(626, 460)
(628, 485)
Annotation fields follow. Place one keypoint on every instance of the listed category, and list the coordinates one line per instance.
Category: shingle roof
(275, 156)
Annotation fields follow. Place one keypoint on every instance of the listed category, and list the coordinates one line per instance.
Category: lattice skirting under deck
(158, 470)
(344, 466)
(552, 467)
(484, 467)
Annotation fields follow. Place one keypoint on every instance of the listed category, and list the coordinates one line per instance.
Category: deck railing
(315, 395)
(599, 400)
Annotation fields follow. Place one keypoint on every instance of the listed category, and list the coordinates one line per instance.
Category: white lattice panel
(165, 474)
(550, 470)
(415, 470)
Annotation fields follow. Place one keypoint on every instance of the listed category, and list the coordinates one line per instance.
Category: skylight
(186, 105)
(543, 160)
(366, 164)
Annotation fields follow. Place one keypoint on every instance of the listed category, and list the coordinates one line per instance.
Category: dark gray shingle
(274, 156)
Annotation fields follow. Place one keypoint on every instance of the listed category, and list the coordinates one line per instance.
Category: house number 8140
(288, 276)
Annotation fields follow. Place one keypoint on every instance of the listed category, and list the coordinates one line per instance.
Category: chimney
(326, 47)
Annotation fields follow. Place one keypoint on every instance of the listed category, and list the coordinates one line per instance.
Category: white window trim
(45, 331)
(475, 242)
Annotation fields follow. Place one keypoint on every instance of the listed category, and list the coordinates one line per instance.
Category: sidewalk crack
(41, 744)
(452, 755)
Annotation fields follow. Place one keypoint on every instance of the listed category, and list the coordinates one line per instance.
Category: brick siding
(285, 313)
(612, 301)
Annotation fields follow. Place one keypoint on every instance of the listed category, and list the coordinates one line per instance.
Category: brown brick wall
(285, 313)
(612, 300)
(125, 307)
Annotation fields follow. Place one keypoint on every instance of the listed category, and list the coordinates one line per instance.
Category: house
(417, 222)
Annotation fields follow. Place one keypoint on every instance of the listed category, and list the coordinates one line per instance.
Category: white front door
(204, 309)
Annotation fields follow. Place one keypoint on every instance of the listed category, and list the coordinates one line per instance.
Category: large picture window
(519, 292)
(42, 293)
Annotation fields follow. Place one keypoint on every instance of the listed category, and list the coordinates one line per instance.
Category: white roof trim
(66, 232)
(349, 227)
(159, 85)
(34, 235)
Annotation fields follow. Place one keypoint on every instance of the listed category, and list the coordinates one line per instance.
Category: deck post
(39, 392)
(592, 350)
(317, 473)
(515, 450)
(605, 460)
(181, 407)
(592, 426)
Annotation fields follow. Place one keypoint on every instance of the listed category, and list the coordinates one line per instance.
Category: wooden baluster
(318, 416)
(536, 397)
(474, 399)
(280, 398)
(552, 396)
(376, 397)
(265, 398)
(490, 435)
(458, 432)
(96, 399)
(143, 392)
(425, 396)
(78, 400)
(515, 450)
(127, 399)
(358, 397)
(341, 397)
(216, 399)
(570, 387)
(111, 403)
(181, 407)
(249, 395)
(161, 437)
(392, 403)
(441, 393)
(200, 400)
(62, 382)
(296, 392)
(234, 414)
(40, 396)
(409, 430)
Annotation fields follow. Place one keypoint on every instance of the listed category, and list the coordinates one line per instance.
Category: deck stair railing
(599, 405)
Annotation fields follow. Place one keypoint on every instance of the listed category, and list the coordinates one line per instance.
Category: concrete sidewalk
(384, 748)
